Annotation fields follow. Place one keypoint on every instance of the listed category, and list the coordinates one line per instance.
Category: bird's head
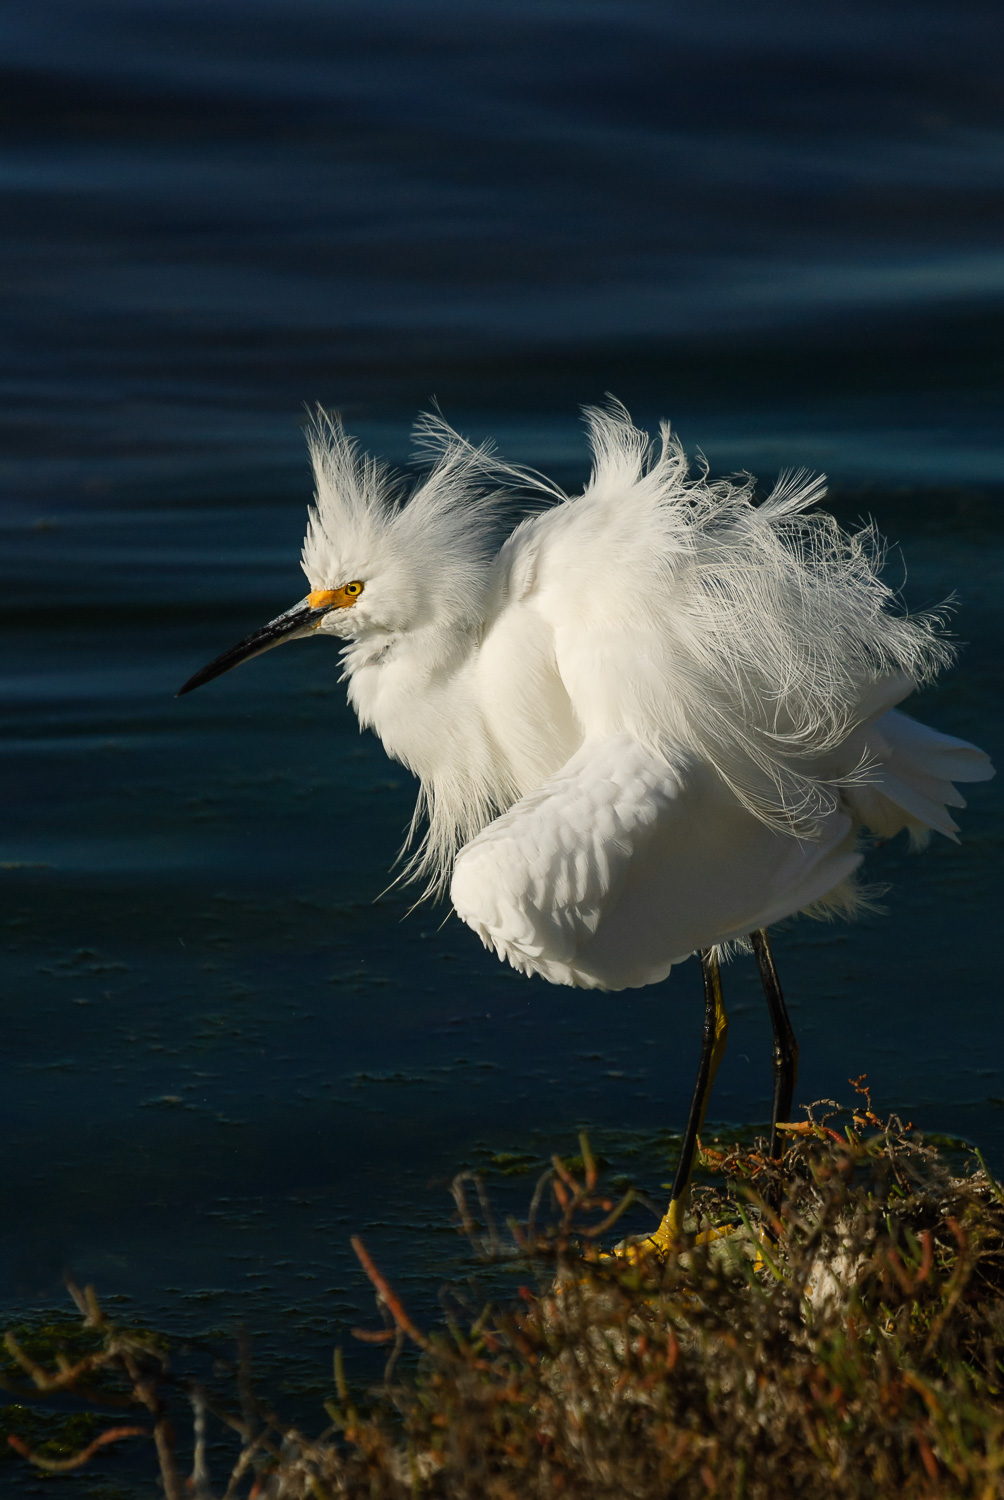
(381, 562)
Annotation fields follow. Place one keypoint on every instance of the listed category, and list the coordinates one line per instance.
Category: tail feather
(937, 754)
(929, 812)
(915, 771)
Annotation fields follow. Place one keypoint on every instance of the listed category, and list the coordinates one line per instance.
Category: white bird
(653, 719)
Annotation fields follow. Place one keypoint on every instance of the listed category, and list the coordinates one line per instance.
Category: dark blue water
(781, 227)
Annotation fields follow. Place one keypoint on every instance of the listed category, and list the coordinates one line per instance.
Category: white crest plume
(439, 534)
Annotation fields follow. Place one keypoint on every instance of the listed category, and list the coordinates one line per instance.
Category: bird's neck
(415, 692)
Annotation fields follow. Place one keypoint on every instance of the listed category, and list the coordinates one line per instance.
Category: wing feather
(623, 863)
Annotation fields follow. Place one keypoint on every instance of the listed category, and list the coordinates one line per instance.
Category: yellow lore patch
(335, 598)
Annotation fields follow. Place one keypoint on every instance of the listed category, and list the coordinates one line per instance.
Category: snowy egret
(646, 721)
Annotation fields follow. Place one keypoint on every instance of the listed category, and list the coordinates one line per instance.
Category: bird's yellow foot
(661, 1243)
(669, 1239)
(643, 1248)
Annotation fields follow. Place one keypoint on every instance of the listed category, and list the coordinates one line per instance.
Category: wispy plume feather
(775, 622)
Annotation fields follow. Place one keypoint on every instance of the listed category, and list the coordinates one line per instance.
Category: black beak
(302, 619)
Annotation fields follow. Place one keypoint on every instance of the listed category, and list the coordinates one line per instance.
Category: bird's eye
(353, 589)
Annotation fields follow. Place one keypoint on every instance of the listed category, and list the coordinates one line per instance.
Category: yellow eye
(352, 589)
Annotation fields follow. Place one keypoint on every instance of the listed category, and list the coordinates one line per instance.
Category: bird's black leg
(785, 1045)
(716, 1028)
